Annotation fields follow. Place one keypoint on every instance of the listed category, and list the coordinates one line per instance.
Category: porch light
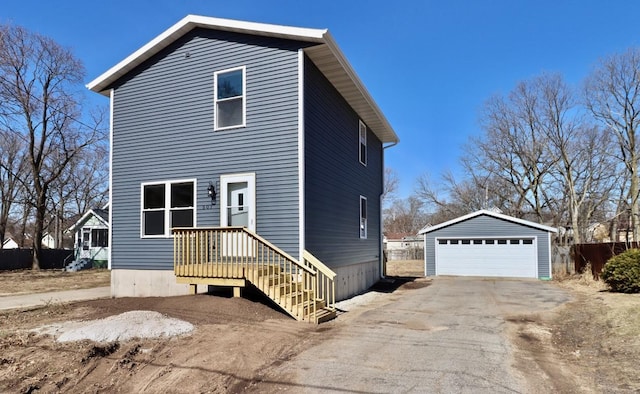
(211, 191)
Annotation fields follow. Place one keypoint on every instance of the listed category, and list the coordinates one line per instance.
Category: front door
(237, 201)
(238, 208)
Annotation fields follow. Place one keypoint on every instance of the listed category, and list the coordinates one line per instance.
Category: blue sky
(429, 65)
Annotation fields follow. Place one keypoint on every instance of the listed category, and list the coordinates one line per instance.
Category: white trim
(250, 178)
(362, 126)
(550, 256)
(167, 205)
(112, 95)
(191, 22)
(492, 214)
(366, 217)
(301, 161)
(244, 98)
(75, 226)
(328, 57)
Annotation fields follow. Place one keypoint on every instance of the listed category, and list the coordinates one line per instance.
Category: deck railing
(238, 253)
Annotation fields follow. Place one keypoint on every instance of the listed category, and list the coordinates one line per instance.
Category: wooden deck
(233, 256)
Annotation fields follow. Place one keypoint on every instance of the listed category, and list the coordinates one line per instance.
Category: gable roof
(326, 56)
(101, 214)
(492, 214)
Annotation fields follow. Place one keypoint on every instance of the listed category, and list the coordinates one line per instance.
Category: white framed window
(230, 98)
(363, 217)
(165, 205)
(362, 142)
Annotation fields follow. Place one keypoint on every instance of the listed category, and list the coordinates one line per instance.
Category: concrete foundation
(350, 280)
(147, 283)
(354, 279)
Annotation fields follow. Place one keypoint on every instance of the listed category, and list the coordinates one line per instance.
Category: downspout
(382, 265)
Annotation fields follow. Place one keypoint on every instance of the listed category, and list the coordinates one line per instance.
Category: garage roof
(326, 56)
(488, 213)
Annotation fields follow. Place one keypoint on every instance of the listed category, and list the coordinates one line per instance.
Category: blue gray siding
(163, 130)
(487, 226)
(335, 179)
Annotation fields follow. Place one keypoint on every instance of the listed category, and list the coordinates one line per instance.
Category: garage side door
(514, 257)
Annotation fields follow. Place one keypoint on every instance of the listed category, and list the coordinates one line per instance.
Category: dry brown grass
(29, 281)
(410, 268)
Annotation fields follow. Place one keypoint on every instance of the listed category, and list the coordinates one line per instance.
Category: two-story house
(244, 153)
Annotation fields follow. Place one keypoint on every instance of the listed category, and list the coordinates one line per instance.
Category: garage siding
(486, 227)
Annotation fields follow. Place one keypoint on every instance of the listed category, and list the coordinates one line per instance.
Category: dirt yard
(591, 344)
(28, 281)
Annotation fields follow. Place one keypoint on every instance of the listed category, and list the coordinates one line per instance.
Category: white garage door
(513, 257)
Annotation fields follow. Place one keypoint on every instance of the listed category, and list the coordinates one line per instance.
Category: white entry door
(237, 200)
(238, 208)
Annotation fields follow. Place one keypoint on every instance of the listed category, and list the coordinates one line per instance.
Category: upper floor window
(166, 205)
(230, 98)
(363, 217)
(362, 144)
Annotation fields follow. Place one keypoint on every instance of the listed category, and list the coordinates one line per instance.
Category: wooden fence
(17, 259)
(598, 254)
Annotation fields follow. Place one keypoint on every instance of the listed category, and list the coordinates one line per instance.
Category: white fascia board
(390, 135)
(492, 214)
(84, 218)
(101, 83)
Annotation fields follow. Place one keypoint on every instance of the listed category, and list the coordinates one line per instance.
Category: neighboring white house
(9, 243)
(92, 237)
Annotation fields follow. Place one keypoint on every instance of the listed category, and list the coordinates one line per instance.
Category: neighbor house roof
(326, 56)
(101, 214)
(492, 214)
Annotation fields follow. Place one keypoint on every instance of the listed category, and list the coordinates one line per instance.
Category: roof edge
(492, 214)
(188, 23)
(84, 217)
(342, 59)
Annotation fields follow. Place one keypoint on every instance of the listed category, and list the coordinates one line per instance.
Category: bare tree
(12, 167)
(390, 187)
(513, 150)
(612, 93)
(405, 216)
(40, 102)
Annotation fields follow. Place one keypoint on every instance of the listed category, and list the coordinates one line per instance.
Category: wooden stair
(232, 256)
(292, 296)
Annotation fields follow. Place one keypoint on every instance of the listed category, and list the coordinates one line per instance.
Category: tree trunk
(41, 211)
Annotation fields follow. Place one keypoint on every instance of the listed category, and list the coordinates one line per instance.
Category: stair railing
(236, 252)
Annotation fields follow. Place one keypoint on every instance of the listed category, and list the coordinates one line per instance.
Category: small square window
(527, 242)
(502, 242)
(477, 242)
(514, 242)
(489, 241)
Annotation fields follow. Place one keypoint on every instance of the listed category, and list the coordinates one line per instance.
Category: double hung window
(230, 98)
(166, 205)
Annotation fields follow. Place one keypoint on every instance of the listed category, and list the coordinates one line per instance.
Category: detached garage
(487, 243)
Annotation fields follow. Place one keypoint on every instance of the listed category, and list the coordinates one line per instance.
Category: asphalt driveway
(447, 337)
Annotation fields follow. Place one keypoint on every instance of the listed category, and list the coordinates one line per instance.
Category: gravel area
(122, 327)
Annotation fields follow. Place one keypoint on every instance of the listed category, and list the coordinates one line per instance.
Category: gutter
(382, 265)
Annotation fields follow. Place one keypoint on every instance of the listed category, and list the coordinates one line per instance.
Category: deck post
(193, 289)
(236, 291)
